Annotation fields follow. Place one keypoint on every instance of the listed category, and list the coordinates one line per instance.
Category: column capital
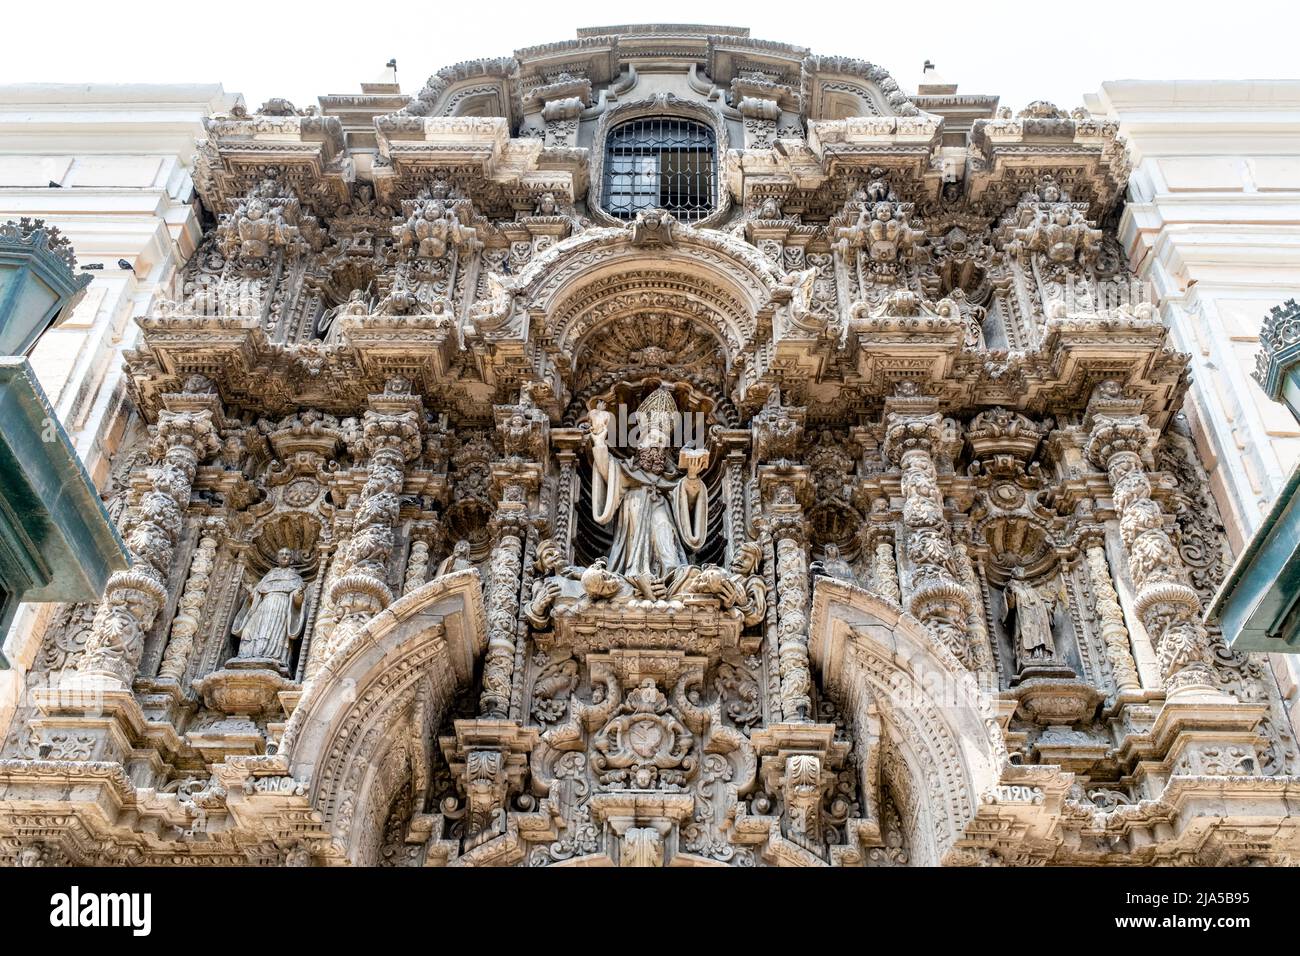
(908, 431)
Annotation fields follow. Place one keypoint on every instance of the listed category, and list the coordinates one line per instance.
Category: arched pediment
(582, 282)
(367, 719)
(921, 721)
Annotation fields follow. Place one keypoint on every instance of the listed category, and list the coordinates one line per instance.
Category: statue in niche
(832, 565)
(659, 514)
(458, 560)
(271, 616)
(1028, 619)
(358, 304)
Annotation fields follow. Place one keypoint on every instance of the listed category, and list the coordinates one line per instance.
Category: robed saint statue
(659, 514)
(1029, 616)
(271, 615)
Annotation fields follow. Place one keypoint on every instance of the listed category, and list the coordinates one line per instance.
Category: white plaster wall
(120, 156)
(1213, 221)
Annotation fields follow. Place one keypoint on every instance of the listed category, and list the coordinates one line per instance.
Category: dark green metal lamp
(1258, 605)
(56, 540)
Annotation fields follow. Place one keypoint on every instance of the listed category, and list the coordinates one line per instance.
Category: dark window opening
(659, 163)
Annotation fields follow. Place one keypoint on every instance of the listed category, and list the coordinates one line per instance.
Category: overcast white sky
(1021, 51)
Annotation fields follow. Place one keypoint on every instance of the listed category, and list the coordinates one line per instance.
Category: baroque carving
(468, 532)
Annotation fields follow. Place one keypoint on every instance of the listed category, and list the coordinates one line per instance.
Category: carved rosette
(935, 596)
(1167, 605)
(132, 598)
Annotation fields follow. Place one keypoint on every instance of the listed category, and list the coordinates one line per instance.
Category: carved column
(185, 624)
(735, 443)
(391, 436)
(981, 650)
(509, 528)
(424, 537)
(792, 617)
(568, 443)
(187, 436)
(326, 618)
(778, 434)
(417, 566)
(1168, 606)
(488, 756)
(879, 543)
(525, 437)
(934, 595)
(1114, 633)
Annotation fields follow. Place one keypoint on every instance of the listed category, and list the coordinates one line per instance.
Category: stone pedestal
(245, 686)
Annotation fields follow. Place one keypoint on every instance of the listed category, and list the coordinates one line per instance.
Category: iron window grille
(661, 163)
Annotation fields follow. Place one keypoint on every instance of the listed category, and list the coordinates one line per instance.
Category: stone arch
(367, 719)
(702, 273)
(922, 724)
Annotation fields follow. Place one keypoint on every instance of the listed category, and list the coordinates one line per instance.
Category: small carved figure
(833, 566)
(401, 300)
(271, 616)
(1029, 620)
(740, 587)
(458, 560)
(358, 304)
(553, 580)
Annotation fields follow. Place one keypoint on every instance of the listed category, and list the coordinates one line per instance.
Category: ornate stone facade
(843, 520)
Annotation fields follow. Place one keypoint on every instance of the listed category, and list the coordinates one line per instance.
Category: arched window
(660, 162)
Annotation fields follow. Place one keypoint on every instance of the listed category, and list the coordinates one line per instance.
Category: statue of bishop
(659, 515)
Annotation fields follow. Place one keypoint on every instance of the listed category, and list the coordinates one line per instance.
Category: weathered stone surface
(826, 520)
